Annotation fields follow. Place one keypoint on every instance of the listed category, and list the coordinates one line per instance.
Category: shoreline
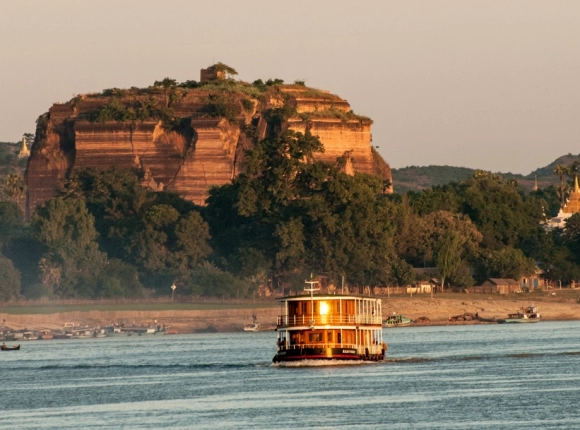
(434, 311)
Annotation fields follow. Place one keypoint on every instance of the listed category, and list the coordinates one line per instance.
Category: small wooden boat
(7, 348)
(396, 321)
(252, 327)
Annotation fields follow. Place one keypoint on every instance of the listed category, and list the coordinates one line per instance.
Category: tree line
(289, 215)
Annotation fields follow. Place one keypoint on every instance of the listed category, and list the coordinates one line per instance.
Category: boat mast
(310, 288)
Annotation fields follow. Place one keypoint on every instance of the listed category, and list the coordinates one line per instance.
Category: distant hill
(417, 178)
(548, 171)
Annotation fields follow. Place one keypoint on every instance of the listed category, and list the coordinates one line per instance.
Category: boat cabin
(330, 326)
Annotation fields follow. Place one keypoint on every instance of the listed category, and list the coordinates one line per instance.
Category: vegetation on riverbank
(287, 216)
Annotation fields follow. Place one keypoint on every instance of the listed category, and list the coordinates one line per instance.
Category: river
(480, 376)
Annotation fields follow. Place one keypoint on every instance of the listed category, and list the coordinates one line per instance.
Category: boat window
(329, 337)
(315, 337)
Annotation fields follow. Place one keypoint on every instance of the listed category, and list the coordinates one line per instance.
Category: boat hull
(15, 348)
(519, 321)
(403, 324)
(324, 354)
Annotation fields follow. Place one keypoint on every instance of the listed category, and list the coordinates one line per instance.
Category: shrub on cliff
(119, 111)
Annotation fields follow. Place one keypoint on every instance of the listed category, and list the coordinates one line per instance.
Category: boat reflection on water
(329, 327)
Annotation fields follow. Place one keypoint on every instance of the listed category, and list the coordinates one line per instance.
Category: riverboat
(529, 314)
(397, 321)
(329, 327)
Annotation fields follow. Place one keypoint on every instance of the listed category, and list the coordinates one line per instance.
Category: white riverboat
(328, 326)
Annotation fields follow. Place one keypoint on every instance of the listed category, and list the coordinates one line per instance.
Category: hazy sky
(493, 85)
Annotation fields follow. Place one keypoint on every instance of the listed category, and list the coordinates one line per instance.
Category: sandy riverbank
(563, 306)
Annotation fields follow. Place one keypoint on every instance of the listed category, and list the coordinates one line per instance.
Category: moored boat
(397, 321)
(252, 327)
(329, 327)
(528, 314)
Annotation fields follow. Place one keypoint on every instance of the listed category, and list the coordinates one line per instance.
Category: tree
(438, 224)
(10, 284)
(509, 263)
(119, 279)
(498, 210)
(447, 255)
(561, 171)
(209, 280)
(11, 221)
(573, 169)
(221, 67)
(14, 187)
(166, 83)
(67, 230)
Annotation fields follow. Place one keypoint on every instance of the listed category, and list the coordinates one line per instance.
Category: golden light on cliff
(323, 308)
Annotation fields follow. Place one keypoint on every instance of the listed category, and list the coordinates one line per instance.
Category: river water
(482, 376)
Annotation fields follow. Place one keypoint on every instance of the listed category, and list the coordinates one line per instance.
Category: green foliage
(10, 284)
(447, 255)
(509, 263)
(272, 82)
(166, 83)
(42, 121)
(138, 110)
(334, 112)
(11, 220)
(247, 105)
(72, 258)
(13, 187)
(159, 234)
(189, 84)
(119, 279)
(209, 280)
(222, 105)
(221, 67)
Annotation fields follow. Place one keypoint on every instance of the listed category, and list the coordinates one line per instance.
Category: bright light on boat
(323, 308)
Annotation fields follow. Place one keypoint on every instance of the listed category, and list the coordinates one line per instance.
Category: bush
(248, 105)
(10, 284)
(211, 281)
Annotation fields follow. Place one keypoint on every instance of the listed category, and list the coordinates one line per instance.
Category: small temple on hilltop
(24, 151)
(571, 207)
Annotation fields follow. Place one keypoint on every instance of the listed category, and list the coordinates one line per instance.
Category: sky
(492, 85)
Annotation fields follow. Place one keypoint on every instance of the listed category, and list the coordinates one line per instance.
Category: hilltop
(187, 137)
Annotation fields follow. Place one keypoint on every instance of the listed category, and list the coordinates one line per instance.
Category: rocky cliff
(187, 137)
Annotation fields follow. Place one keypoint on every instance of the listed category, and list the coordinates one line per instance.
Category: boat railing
(301, 320)
(360, 349)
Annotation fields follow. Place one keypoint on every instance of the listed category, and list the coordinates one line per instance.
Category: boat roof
(325, 297)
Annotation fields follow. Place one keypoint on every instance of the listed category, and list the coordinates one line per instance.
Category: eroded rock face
(188, 139)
